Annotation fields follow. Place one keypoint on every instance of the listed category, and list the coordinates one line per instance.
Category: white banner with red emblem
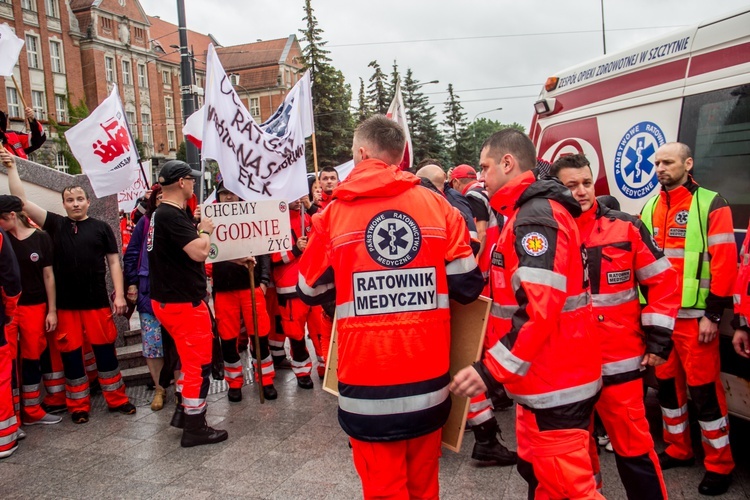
(10, 48)
(248, 228)
(102, 145)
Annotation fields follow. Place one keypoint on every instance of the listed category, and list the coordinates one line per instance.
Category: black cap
(10, 203)
(174, 170)
(221, 188)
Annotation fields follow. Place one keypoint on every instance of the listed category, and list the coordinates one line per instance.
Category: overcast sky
(496, 53)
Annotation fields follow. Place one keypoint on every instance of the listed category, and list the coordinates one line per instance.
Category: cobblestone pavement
(289, 448)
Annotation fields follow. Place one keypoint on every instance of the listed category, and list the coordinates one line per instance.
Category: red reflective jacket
(742, 287)
(621, 256)
(391, 253)
(21, 144)
(285, 264)
(548, 355)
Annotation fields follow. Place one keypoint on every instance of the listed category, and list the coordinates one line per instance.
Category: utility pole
(186, 83)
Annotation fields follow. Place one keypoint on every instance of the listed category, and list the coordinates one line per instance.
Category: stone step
(138, 375)
(132, 337)
(131, 356)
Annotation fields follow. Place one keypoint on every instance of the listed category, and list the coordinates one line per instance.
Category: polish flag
(397, 113)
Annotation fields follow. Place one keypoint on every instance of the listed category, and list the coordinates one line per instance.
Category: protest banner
(248, 228)
(255, 164)
(126, 199)
(103, 146)
(10, 48)
(468, 327)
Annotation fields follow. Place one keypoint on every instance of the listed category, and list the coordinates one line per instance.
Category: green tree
(363, 109)
(331, 97)
(377, 94)
(77, 113)
(427, 140)
(458, 140)
(479, 130)
(182, 151)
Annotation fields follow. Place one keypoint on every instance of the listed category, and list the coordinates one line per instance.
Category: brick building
(77, 49)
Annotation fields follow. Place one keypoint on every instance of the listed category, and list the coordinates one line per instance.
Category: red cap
(463, 172)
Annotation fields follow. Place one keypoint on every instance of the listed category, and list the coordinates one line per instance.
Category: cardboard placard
(468, 327)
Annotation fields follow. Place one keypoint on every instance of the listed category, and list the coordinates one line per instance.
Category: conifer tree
(458, 141)
(427, 140)
(377, 94)
(363, 110)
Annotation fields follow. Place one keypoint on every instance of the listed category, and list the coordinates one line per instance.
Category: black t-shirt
(174, 276)
(81, 249)
(228, 276)
(34, 254)
(479, 202)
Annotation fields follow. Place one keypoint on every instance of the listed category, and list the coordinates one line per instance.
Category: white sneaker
(47, 419)
(602, 440)
(609, 447)
(20, 434)
(7, 453)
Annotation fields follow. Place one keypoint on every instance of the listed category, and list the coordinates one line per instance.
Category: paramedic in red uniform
(693, 226)
(381, 230)
(622, 256)
(20, 144)
(741, 322)
(10, 291)
(547, 356)
(176, 252)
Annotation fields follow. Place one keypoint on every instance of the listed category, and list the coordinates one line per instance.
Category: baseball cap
(463, 172)
(221, 188)
(10, 203)
(174, 170)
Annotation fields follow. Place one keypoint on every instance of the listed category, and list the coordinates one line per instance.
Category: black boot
(488, 449)
(178, 418)
(197, 432)
(269, 392)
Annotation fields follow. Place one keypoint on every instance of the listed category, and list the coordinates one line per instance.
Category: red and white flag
(102, 145)
(397, 113)
(193, 128)
(10, 48)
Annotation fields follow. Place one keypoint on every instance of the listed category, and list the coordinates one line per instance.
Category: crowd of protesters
(583, 299)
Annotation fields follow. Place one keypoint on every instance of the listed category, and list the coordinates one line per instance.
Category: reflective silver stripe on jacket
(575, 302)
(690, 313)
(674, 413)
(285, 257)
(539, 277)
(614, 299)
(657, 267)
(347, 309)
(560, 397)
(461, 266)
(312, 292)
(503, 312)
(393, 406)
(715, 239)
(656, 319)
(714, 425)
(286, 289)
(476, 407)
(623, 366)
(508, 360)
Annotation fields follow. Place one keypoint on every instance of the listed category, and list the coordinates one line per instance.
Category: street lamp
(474, 128)
(426, 83)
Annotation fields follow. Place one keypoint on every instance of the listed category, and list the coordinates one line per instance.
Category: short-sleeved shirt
(33, 254)
(174, 276)
(81, 249)
(479, 203)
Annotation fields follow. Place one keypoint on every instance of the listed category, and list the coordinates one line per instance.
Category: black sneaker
(80, 417)
(669, 462)
(305, 382)
(234, 395)
(269, 392)
(125, 408)
(714, 483)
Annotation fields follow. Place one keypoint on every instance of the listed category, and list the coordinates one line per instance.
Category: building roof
(253, 55)
(131, 10)
(164, 35)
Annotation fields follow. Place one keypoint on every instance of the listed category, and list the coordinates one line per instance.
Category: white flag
(300, 95)
(397, 113)
(255, 164)
(10, 47)
(102, 145)
(344, 169)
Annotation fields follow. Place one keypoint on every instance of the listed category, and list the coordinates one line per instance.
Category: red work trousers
(96, 327)
(623, 414)
(399, 470)
(11, 336)
(28, 326)
(8, 420)
(560, 459)
(320, 327)
(696, 364)
(276, 336)
(190, 327)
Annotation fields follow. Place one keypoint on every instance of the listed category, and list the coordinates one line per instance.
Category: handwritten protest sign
(126, 199)
(248, 228)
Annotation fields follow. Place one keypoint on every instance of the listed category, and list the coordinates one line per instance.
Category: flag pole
(256, 339)
(138, 154)
(23, 102)
(315, 156)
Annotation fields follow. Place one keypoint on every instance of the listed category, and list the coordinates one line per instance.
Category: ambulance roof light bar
(545, 106)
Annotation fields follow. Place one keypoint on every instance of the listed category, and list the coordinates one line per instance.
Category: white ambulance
(692, 86)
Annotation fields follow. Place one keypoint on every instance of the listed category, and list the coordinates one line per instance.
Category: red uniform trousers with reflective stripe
(697, 364)
(229, 307)
(276, 336)
(11, 336)
(89, 361)
(295, 314)
(95, 326)
(28, 326)
(481, 408)
(623, 414)
(320, 326)
(190, 327)
(8, 420)
(53, 373)
(399, 470)
(560, 459)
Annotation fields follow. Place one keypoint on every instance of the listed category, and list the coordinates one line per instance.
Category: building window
(127, 75)
(38, 104)
(168, 111)
(132, 125)
(32, 51)
(171, 140)
(146, 127)
(142, 76)
(55, 56)
(139, 33)
(107, 24)
(109, 68)
(28, 5)
(52, 10)
(166, 78)
(61, 163)
(61, 105)
(14, 109)
(255, 107)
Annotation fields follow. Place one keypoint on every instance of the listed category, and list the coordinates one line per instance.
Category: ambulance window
(716, 125)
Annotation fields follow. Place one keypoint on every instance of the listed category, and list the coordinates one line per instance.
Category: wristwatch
(713, 317)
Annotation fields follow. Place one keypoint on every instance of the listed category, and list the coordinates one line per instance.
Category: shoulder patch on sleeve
(535, 244)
